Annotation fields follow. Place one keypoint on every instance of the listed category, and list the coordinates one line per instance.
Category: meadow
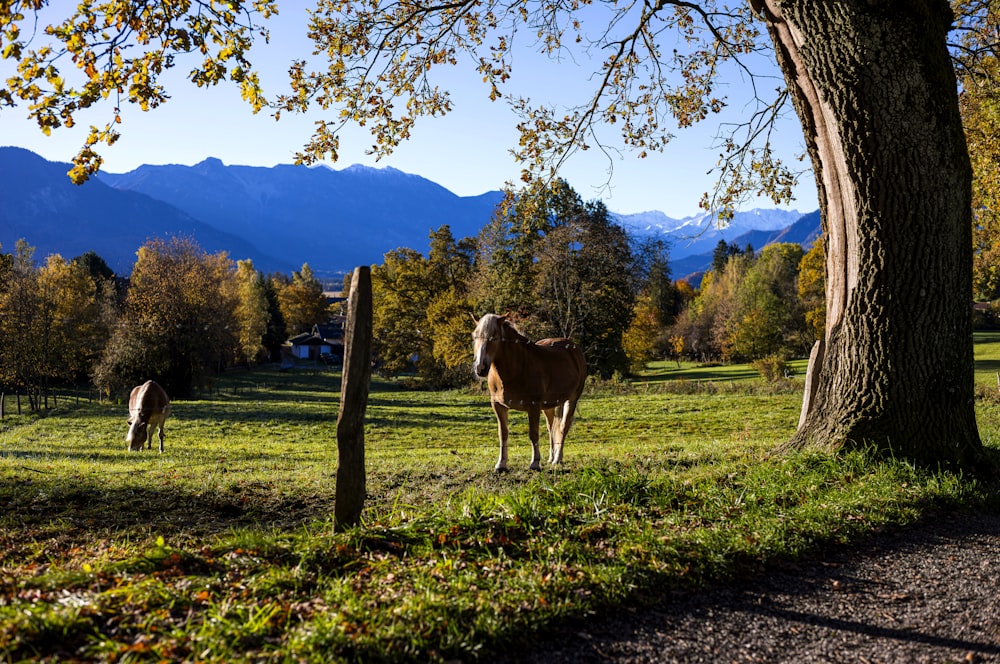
(223, 548)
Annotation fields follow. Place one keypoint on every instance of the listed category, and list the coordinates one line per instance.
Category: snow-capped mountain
(700, 233)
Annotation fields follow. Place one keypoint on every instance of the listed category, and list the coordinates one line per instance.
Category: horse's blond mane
(491, 326)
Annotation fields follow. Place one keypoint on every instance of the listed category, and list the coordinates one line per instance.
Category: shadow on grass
(988, 366)
(67, 513)
(703, 373)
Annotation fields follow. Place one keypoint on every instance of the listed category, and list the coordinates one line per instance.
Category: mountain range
(284, 216)
(693, 239)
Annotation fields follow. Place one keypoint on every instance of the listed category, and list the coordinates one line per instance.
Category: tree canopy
(113, 53)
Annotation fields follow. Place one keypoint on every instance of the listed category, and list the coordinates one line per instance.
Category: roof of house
(307, 339)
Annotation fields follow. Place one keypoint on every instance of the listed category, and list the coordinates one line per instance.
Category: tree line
(560, 266)
(180, 317)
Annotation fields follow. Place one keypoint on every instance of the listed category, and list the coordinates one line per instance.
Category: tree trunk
(876, 94)
(350, 490)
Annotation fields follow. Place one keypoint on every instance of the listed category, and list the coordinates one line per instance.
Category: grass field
(223, 548)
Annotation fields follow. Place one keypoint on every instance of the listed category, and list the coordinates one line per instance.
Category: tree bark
(350, 490)
(876, 94)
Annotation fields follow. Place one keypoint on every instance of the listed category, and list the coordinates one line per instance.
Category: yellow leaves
(11, 51)
(75, 43)
(252, 92)
(122, 48)
(979, 103)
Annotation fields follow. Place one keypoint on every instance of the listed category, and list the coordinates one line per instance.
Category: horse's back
(571, 354)
(149, 398)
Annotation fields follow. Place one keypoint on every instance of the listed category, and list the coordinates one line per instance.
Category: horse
(148, 407)
(535, 377)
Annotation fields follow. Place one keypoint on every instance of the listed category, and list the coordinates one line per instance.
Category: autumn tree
(21, 322)
(639, 340)
(450, 266)
(252, 315)
(75, 324)
(447, 324)
(812, 288)
(979, 103)
(302, 301)
(51, 322)
(400, 292)
(179, 325)
(6, 278)
(768, 317)
(710, 323)
(421, 311)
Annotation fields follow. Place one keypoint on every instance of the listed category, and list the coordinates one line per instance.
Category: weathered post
(350, 490)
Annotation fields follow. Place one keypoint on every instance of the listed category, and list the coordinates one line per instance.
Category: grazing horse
(545, 376)
(148, 407)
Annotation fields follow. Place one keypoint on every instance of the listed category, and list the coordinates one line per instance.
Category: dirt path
(930, 593)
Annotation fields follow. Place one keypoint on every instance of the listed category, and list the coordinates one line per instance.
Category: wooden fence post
(350, 490)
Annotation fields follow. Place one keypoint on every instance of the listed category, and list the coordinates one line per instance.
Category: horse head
(138, 432)
(486, 336)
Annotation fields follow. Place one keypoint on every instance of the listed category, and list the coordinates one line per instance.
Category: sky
(466, 151)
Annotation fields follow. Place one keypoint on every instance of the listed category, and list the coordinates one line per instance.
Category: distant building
(324, 343)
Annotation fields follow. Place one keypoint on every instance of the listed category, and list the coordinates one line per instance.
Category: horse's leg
(552, 425)
(502, 429)
(534, 415)
(568, 409)
(162, 436)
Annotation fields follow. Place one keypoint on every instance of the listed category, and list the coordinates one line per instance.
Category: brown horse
(148, 407)
(545, 376)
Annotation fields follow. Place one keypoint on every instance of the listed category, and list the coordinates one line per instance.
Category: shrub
(771, 368)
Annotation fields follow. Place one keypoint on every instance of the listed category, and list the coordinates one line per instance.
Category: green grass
(987, 345)
(223, 548)
(698, 373)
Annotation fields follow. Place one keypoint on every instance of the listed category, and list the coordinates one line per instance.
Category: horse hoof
(535, 468)
(500, 470)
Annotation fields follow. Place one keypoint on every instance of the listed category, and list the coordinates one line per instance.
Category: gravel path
(930, 593)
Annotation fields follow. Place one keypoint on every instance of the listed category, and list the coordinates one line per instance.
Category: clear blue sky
(467, 151)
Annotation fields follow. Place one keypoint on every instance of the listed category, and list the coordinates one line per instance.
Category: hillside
(333, 220)
(42, 206)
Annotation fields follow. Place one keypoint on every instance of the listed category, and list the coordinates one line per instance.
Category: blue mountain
(805, 232)
(331, 219)
(42, 206)
(285, 216)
